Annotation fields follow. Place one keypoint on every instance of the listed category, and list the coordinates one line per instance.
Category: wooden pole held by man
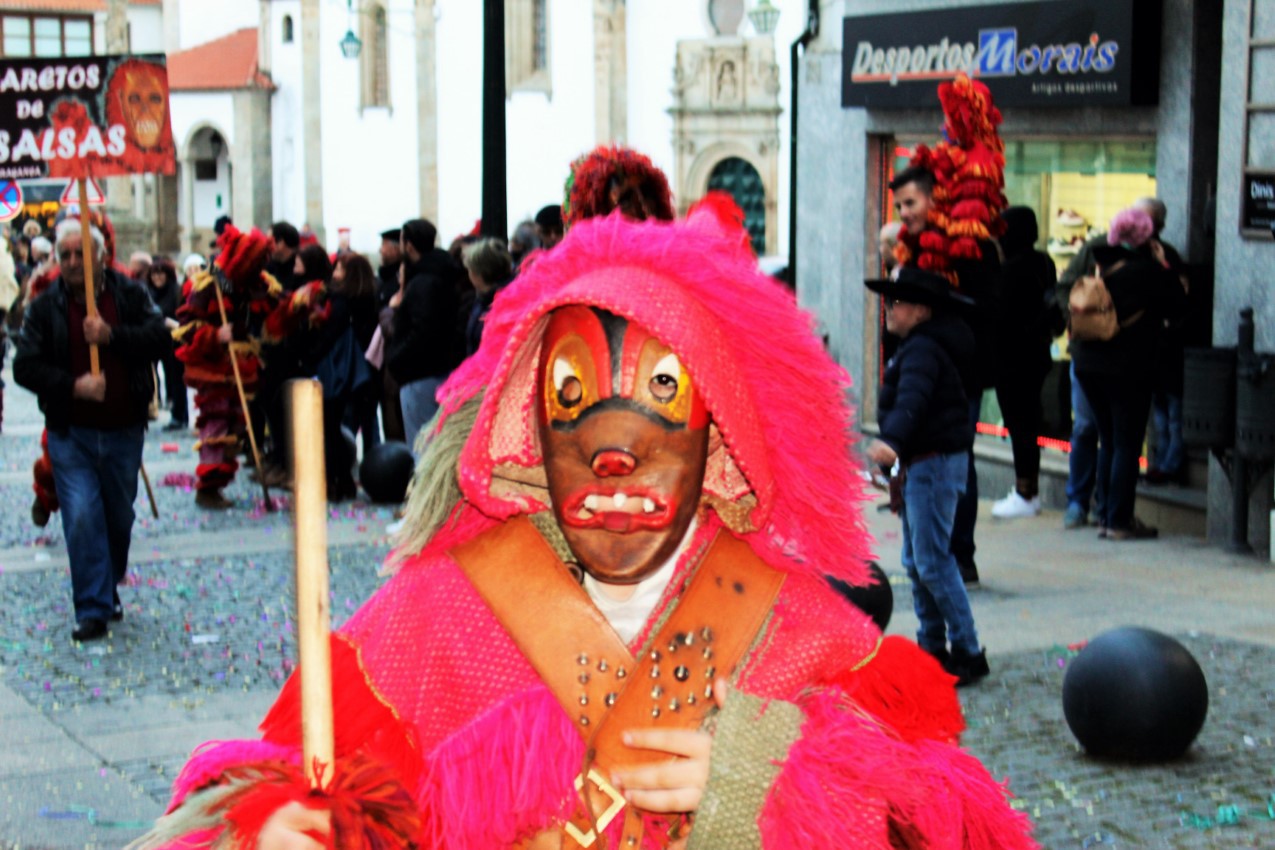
(310, 512)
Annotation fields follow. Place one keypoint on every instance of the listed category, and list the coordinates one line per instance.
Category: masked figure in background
(608, 624)
(207, 344)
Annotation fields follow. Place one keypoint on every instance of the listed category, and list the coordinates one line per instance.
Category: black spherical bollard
(876, 599)
(1135, 694)
(386, 471)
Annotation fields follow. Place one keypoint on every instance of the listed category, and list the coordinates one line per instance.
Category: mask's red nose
(610, 462)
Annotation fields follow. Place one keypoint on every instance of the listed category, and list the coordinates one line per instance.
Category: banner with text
(85, 116)
(1074, 53)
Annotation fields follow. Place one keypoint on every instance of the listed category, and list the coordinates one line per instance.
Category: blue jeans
(1166, 410)
(95, 472)
(1083, 462)
(1120, 405)
(419, 405)
(967, 508)
(930, 493)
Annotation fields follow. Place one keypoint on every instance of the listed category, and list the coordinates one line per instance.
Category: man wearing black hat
(923, 412)
(979, 279)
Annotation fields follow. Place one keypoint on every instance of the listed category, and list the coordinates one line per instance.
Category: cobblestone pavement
(93, 735)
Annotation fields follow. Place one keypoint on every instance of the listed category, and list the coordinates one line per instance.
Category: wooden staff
(243, 401)
(309, 505)
(88, 256)
(150, 494)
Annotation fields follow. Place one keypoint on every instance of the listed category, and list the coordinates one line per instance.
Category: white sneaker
(1014, 506)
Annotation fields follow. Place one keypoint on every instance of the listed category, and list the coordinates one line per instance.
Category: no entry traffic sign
(10, 199)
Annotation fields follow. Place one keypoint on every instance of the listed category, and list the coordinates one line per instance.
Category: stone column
(311, 115)
(186, 174)
(172, 26)
(610, 62)
(426, 110)
(134, 229)
(251, 187)
(265, 36)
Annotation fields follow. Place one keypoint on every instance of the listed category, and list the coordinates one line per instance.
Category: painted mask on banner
(625, 440)
(143, 97)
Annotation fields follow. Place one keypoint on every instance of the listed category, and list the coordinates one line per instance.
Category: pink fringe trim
(847, 777)
(503, 777)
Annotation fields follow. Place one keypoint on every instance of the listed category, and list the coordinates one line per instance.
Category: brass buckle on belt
(585, 839)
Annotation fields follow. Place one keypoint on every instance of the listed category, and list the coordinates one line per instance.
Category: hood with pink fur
(780, 471)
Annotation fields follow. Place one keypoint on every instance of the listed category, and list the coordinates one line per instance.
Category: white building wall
(547, 132)
(370, 157)
(192, 111)
(145, 29)
(370, 170)
(288, 150)
(204, 20)
(654, 28)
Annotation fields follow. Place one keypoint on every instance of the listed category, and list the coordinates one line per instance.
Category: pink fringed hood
(781, 477)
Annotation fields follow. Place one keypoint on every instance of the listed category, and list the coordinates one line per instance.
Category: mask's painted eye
(568, 386)
(664, 378)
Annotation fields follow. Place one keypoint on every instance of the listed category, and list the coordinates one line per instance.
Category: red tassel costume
(239, 273)
(831, 735)
(969, 180)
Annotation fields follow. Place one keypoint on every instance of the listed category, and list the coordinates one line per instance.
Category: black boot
(967, 668)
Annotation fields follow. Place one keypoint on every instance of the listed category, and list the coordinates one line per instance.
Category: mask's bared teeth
(648, 506)
(618, 499)
(591, 502)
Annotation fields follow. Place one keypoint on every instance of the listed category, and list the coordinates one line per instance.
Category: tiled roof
(65, 6)
(229, 62)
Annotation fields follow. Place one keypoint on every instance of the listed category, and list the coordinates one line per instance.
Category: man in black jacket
(979, 279)
(96, 421)
(391, 259)
(427, 344)
(285, 242)
(924, 417)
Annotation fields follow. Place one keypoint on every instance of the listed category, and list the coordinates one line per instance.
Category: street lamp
(350, 45)
(764, 17)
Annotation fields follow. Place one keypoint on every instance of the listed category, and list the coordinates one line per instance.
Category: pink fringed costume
(831, 736)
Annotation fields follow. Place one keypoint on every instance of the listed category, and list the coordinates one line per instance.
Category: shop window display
(1074, 187)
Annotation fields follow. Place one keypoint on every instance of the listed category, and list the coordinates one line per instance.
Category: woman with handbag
(1117, 373)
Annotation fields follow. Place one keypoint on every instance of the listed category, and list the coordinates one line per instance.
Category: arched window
(738, 178)
(287, 29)
(374, 57)
(526, 46)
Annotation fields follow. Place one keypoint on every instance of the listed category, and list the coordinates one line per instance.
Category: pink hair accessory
(1131, 227)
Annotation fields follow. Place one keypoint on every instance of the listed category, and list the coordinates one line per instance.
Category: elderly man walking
(95, 421)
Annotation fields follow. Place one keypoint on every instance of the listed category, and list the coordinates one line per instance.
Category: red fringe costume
(239, 273)
(430, 686)
(969, 180)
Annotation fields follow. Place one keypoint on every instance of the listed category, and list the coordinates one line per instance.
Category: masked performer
(207, 344)
(608, 624)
